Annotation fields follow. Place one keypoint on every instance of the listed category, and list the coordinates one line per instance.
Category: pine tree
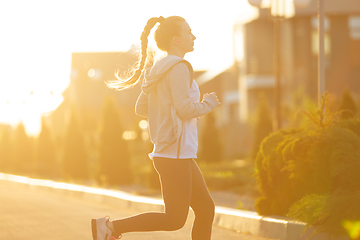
(263, 125)
(211, 148)
(75, 164)
(114, 165)
(23, 152)
(347, 105)
(45, 155)
(6, 151)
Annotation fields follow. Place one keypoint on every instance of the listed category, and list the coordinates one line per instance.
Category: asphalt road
(31, 214)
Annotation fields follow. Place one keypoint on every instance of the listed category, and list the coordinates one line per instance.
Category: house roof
(210, 74)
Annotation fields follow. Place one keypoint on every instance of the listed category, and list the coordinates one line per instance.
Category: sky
(38, 37)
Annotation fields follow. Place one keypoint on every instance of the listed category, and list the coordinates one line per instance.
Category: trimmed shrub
(6, 151)
(75, 163)
(114, 162)
(45, 164)
(347, 106)
(23, 152)
(312, 174)
(211, 148)
(264, 125)
(273, 175)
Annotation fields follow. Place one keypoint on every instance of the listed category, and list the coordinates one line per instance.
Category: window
(315, 39)
(354, 27)
(354, 32)
(315, 36)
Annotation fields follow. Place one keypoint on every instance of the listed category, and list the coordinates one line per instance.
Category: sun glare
(36, 55)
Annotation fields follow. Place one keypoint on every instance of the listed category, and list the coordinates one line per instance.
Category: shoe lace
(112, 237)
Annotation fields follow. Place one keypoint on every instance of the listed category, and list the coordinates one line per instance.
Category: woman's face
(185, 40)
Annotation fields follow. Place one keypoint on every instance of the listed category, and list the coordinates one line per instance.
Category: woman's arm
(141, 107)
(180, 81)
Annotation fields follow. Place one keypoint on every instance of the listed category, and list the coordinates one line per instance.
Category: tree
(347, 105)
(45, 155)
(6, 151)
(114, 165)
(263, 125)
(75, 164)
(23, 151)
(211, 148)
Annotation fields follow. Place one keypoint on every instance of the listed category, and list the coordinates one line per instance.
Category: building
(299, 53)
(236, 136)
(87, 91)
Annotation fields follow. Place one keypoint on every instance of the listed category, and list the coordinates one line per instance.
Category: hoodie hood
(159, 70)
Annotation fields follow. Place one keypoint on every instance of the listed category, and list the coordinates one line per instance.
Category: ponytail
(122, 84)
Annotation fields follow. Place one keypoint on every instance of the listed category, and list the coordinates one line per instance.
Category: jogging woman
(170, 100)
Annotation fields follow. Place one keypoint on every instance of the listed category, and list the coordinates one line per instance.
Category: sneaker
(100, 230)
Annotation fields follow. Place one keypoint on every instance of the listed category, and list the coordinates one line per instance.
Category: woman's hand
(212, 96)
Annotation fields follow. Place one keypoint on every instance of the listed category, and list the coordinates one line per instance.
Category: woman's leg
(202, 205)
(175, 177)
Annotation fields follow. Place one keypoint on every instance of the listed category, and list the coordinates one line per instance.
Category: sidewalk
(221, 198)
(229, 218)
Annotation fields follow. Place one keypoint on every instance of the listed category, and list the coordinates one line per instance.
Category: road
(31, 214)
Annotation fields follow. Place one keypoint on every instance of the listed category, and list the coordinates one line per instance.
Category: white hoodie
(170, 99)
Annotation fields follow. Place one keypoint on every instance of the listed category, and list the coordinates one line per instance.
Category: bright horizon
(41, 35)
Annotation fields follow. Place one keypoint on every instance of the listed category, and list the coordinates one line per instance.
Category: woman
(170, 99)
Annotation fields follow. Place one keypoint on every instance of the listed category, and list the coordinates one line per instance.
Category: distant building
(87, 91)
(299, 52)
(236, 136)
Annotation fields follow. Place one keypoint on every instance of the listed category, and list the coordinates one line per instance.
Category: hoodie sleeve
(141, 107)
(180, 80)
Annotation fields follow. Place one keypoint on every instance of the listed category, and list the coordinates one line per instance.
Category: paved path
(33, 214)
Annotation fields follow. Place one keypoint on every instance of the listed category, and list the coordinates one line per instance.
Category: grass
(236, 176)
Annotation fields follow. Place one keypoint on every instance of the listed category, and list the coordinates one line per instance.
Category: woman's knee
(205, 210)
(176, 223)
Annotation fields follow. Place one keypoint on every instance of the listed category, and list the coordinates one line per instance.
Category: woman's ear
(175, 40)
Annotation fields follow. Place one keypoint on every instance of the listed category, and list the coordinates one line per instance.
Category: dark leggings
(182, 186)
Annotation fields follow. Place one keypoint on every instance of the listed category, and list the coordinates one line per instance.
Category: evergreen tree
(75, 164)
(263, 125)
(6, 151)
(211, 148)
(23, 151)
(347, 105)
(45, 155)
(114, 159)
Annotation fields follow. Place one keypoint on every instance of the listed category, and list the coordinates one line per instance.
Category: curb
(233, 219)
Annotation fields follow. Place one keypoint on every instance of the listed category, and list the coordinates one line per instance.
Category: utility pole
(321, 56)
(277, 71)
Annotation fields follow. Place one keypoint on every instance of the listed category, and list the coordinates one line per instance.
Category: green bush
(312, 174)
(328, 212)
(74, 158)
(272, 170)
(6, 151)
(45, 161)
(347, 105)
(23, 152)
(114, 159)
(211, 148)
(264, 125)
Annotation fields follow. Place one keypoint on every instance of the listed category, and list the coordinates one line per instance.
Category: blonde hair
(166, 30)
